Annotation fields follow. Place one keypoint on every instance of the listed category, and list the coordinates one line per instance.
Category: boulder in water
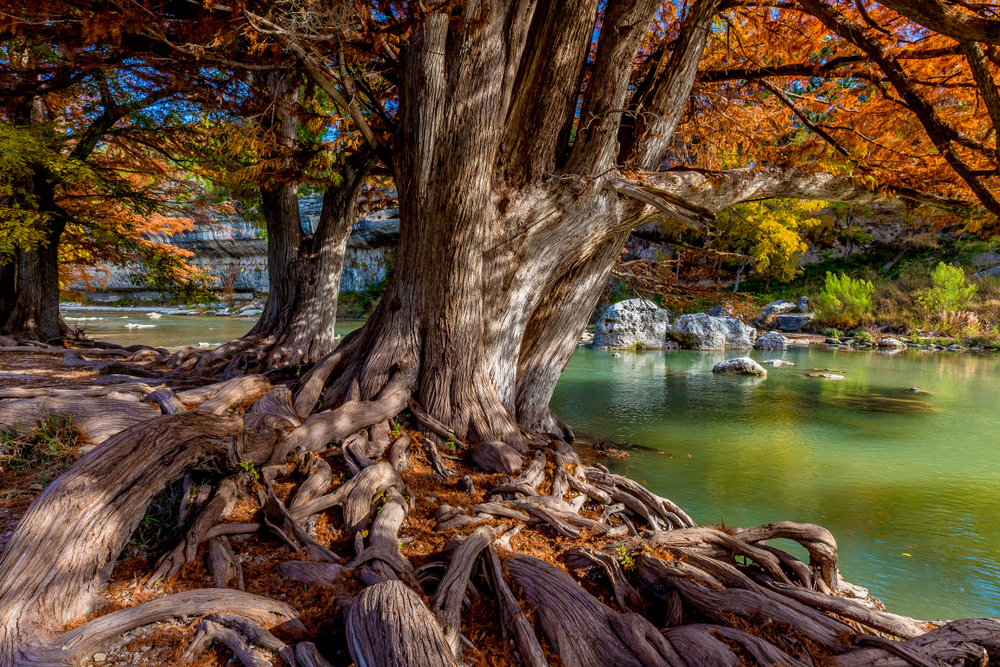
(891, 342)
(630, 324)
(771, 341)
(739, 366)
(704, 332)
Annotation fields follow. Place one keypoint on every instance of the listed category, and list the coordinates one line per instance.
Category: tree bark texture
(508, 228)
(41, 595)
(297, 325)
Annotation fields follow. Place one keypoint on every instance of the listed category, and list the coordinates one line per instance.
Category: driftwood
(97, 418)
(388, 625)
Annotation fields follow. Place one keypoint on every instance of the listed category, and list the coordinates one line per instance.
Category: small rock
(739, 366)
(803, 304)
(87, 448)
(891, 342)
(100, 657)
(827, 376)
(956, 348)
(833, 341)
(776, 362)
(916, 390)
(771, 341)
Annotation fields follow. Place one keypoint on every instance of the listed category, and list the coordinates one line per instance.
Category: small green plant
(833, 333)
(23, 447)
(451, 444)
(624, 558)
(864, 338)
(949, 292)
(397, 430)
(845, 301)
(250, 469)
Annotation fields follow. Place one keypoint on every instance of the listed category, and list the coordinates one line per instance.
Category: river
(908, 483)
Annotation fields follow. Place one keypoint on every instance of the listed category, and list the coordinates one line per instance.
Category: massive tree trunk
(297, 325)
(508, 230)
(32, 307)
(505, 238)
(36, 306)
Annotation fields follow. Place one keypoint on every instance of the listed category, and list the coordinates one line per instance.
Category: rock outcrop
(634, 323)
(771, 341)
(739, 366)
(704, 332)
(891, 342)
(773, 309)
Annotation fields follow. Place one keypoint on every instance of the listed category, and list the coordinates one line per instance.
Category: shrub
(949, 293)
(845, 301)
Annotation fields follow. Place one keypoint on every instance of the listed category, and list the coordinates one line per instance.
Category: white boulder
(630, 324)
(739, 366)
(771, 341)
(704, 332)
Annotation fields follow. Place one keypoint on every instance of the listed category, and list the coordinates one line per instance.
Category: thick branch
(951, 21)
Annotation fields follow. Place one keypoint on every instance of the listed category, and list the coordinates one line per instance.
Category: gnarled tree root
(84, 519)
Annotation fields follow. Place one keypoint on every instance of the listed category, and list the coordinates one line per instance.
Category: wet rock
(833, 341)
(803, 304)
(630, 324)
(776, 362)
(771, 341)
(704, 332)
(739, 366)
(891, 342)
(827, 376)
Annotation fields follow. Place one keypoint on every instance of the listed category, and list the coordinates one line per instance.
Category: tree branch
(936, 129)
(960, 26)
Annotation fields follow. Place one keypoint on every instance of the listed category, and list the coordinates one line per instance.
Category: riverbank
(438, 506)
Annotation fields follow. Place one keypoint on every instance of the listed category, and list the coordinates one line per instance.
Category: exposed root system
(353, 535)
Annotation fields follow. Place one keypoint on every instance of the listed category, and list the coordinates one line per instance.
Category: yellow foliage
(770, 232)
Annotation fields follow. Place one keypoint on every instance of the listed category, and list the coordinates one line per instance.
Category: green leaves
(845, 301)
(949, 292)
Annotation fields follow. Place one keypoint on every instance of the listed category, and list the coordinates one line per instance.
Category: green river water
(909, 484)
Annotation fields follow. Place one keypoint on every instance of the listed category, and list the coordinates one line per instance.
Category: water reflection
(889, 471)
